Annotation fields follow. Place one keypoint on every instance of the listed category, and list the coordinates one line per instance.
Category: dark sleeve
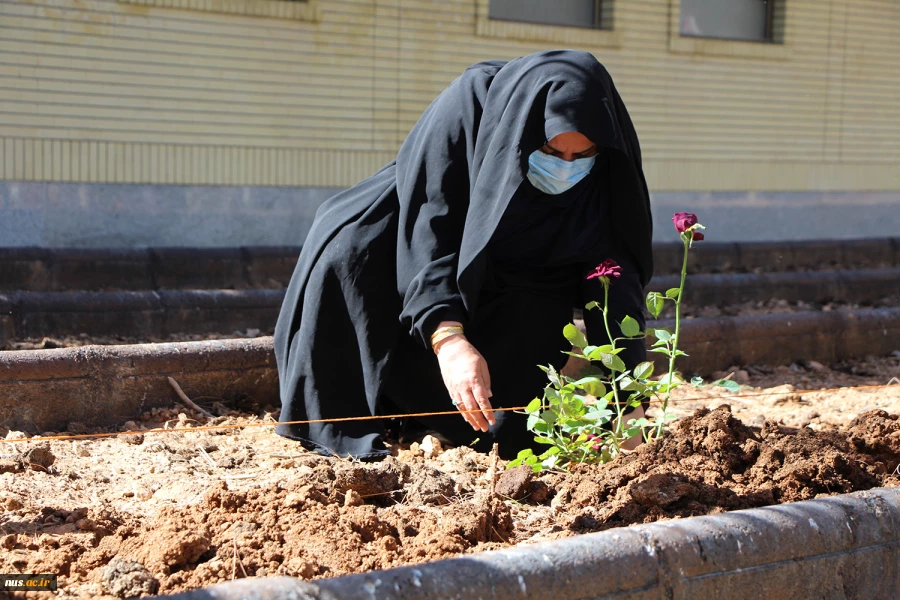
(433, 192)
(626, 297)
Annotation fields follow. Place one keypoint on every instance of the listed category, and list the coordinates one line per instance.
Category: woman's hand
(466, 376)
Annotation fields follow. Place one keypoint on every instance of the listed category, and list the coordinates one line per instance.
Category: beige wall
(321, 93)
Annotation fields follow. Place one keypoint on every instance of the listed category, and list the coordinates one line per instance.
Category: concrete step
(60, 269)
(157, 314)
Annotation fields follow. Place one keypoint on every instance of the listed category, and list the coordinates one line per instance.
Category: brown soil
(148, 512)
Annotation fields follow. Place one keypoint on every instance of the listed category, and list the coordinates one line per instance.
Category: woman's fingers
(486, 376)
(482, 396)
(476, 420)
(462, 406)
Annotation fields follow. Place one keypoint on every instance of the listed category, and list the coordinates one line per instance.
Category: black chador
(453, 230)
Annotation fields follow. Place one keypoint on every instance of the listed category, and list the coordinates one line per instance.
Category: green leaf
(663, 335)
(552, 396)
(660, 351)
(612, 362)
(671, 377)
(599, 351)
(551, 452)
(672, 293)
(533, 406)
(514, 463)
(601, 416)
(543, 440)
(592, 386)
(523, 454)
(533, 420)
(630, 327)
(731, 386)
(531, 460)
(655, 303)
(587, 350)
(643, 370)
(592, 305)
(541, 427)
(574, 335)
(549, 417)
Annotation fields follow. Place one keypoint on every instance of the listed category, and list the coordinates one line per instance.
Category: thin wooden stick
(187, 401)
(495, 458)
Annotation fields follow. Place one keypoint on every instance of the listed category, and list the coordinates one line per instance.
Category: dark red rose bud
(608, 268)
(683, 221)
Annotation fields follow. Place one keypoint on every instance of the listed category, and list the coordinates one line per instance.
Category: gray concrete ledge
(843, 547)
(61, 269)
(156, 314)
(45, 390)
(714, 344)
(858, 286)
(153, 314)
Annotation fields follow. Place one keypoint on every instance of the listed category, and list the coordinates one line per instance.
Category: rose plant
(584, 420)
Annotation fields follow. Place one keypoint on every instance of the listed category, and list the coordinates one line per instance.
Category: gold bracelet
(442, 333)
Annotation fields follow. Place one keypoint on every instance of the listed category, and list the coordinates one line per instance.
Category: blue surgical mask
(553, 175)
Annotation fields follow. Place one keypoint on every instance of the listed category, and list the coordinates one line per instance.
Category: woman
(446, 277)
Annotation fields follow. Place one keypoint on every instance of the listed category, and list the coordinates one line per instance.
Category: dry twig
(187, 401)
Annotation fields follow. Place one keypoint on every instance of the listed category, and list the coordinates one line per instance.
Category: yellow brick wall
(193, 92)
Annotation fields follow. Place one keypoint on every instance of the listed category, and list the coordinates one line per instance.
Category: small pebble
(39, 458)
(416, 449)
(431, 446)
(132, 438)
(352, 498)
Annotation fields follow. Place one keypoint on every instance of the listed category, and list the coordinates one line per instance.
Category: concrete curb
(160, 313)
(750, 257)
(60, 269)
(42, 390)
(859, 286)
(780, 339)
(845, 546)
(136, 314)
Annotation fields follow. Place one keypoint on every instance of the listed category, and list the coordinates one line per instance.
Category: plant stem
(612, 379)
(676, 337)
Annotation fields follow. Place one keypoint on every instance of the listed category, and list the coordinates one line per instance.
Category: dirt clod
(38, 458)
(515, 483)
(128, 579)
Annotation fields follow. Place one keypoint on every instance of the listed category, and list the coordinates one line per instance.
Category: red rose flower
(684, 221)
(608, 268)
